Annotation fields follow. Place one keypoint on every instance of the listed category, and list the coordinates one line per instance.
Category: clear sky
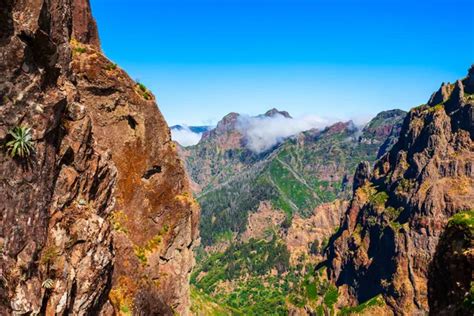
(333, 58)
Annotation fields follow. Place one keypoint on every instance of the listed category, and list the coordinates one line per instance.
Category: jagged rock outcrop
(103, 205)
(451, 274)
(390, 232)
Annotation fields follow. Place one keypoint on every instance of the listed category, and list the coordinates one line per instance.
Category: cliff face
(388, 242)
(100, 217)
(451, 274)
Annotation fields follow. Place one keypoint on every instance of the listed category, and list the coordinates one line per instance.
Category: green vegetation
(260, 280)
(203, 304)
(359, 309)
(464, 219)
(111, 66)
(393, 213)
(379, 199)
(405, 185)
(49, 255)
(142, 87)
(143, 91)
(21, 145)
(468, 302)
(140, 253)
(252, 258)
(246, 262)
(437, 107)
(331, 296)
(79, 50)
(118, 220)
(294, 192)
(255, 277)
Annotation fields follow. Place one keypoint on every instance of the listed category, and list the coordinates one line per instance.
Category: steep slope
(102, 205)
(389, 242)
(451, 274)
(267, 217)
(305, 171)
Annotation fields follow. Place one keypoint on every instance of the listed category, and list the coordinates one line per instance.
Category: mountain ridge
(285, 202)
(388, 241)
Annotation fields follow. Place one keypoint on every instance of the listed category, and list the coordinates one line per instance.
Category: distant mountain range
(194, 129)
(282, 202)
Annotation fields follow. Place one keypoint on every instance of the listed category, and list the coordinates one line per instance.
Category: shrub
(111, 66)
(21, 145)
(79, 50)
(142, 86)
(331, 296)
(463, 218)
(379, 199)
(142, 89)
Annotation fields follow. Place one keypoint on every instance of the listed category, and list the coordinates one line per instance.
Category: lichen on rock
(95, 138)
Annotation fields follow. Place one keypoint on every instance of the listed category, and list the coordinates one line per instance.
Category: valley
(107, 210)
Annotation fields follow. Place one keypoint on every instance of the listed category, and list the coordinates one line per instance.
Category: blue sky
(333, 58)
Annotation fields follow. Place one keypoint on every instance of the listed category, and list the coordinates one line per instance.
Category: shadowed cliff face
(390, 233)
(451, 274)
(103, 205)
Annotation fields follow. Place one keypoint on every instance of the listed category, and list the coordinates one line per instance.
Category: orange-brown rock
(154, 208)
(100, 217)
(390, 232)
(264, 220)
(308, 236)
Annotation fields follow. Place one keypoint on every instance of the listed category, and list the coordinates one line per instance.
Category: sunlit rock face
(100, 216)
(393, 239)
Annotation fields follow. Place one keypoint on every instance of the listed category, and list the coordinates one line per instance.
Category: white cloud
(262, 132)
(185, 137)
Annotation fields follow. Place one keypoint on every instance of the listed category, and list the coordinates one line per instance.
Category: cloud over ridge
(263, 132)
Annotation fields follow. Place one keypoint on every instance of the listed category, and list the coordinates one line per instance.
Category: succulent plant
(48, 284)
(22, 144)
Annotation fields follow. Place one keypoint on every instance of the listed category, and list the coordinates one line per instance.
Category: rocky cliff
(98, 217)
(393, 241)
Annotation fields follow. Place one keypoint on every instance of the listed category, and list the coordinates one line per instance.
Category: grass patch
(79, 50)
(464, 219)
(331, 296)
(375, 301)
(49, 255)
(379, 199)
(143, 91)
(111, 66)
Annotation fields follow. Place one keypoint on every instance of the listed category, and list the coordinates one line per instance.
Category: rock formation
(100, 217)
(388, 242)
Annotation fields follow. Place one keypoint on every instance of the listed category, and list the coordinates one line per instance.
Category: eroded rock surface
(390, 232)
(103, 205)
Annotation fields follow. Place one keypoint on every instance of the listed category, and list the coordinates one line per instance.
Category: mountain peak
(273, 112)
